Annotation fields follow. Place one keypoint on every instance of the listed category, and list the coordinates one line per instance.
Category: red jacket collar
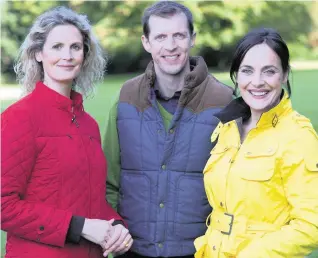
(49, 96)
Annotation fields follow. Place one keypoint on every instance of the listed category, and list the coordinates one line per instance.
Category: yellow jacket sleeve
(299, 172)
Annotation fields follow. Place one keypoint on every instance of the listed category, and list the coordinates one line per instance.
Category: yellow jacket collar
(239, 109)
(272, 117)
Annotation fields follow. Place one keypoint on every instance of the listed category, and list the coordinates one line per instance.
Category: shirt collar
(158, 94)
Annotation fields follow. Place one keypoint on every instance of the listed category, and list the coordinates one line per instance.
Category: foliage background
(219, 24)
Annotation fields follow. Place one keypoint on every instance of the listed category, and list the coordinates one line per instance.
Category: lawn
(304, 98)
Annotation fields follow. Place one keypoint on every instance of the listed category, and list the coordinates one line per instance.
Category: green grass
(304, 95)
(304, 98)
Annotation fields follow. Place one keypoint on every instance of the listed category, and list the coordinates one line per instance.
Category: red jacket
(53, 168)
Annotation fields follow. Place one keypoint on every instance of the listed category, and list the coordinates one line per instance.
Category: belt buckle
(230, 224)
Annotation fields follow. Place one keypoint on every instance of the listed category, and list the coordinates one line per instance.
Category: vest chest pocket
(259, 163)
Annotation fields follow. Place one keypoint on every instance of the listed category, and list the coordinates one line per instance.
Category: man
(158, 139)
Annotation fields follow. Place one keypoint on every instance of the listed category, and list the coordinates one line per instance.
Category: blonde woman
(53, 167)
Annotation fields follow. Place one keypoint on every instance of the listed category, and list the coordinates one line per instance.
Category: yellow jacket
(264, 191)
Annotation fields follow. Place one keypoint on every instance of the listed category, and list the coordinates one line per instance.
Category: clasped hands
(113, 239)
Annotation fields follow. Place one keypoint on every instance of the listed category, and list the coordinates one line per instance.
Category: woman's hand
(97, 231)
(119, 241)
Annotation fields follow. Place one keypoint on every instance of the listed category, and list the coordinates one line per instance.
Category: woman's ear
(38, 57)
(285, 77)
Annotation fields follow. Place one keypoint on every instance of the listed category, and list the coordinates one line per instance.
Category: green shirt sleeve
(112, 153)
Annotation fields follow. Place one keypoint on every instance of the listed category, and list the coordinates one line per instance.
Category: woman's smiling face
(260, 78)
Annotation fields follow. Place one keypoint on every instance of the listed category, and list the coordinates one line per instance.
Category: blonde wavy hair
(29, 71)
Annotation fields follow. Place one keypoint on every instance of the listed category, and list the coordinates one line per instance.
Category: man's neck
(169, 84)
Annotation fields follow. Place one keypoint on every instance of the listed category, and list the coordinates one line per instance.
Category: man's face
(169, 43)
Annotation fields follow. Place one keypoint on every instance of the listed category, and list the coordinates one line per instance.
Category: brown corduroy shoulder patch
(211, 93)
(135, 92)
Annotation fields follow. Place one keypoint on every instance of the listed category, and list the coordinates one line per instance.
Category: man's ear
(145, 43)
(38, 56)
(193, 37)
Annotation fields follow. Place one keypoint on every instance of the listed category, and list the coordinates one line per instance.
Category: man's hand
(119, 241)
(97, 231)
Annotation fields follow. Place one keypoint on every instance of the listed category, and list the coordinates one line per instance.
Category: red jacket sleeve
(32, 221)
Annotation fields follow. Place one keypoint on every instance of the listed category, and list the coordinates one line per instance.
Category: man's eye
(161, 37)
(180, 36)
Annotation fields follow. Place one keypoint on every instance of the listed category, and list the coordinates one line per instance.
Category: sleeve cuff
(75, 229)
(118, 222)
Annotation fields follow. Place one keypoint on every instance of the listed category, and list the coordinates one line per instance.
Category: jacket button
(161, 205)
(214, 248)
(160, 245)
(221, 204)
(171, 131)
(41, 228)
(163, 167)
(317, 165)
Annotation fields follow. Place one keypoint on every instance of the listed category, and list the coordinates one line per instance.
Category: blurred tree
(16, 19)
(313, 36)
(120, 33)
(219, 24)
(292, 20)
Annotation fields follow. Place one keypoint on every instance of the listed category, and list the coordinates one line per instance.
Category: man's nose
(170, 44)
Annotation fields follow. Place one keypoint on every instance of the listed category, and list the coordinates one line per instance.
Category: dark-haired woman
(262, 176)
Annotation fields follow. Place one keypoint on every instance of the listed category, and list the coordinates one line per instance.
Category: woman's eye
(76, 47)
(247, 71)
(270, 72)
(58, 46)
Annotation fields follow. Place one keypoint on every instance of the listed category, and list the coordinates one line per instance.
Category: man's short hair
(165, 9)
